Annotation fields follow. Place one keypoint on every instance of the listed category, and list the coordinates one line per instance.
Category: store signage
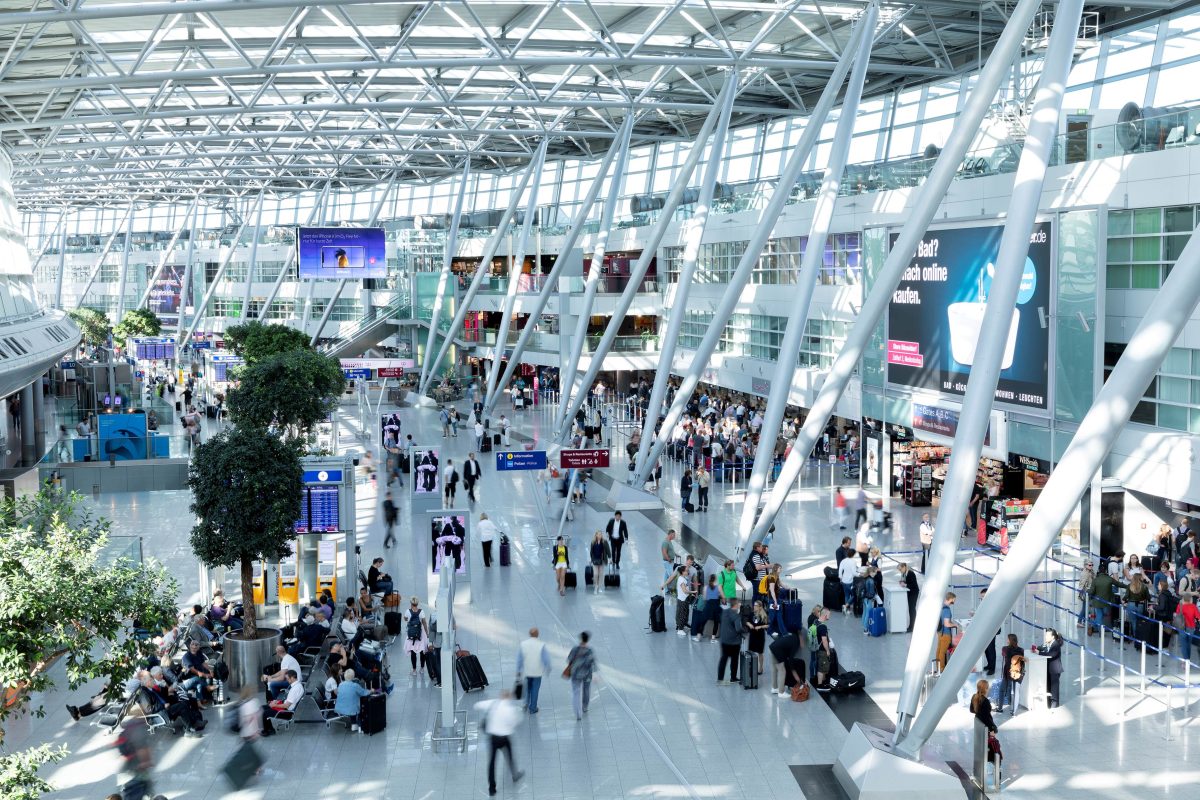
(583, 459)
(515, 460)
(391, 372)
(760, 386)
(942, 422)
(1016, 460)
(936, 315)
(378, 363)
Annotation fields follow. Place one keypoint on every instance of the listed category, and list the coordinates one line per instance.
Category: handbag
(800, 693)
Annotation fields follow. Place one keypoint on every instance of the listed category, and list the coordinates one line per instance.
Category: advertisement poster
(166, 295)
(122, 437)
(449, 535)
(427, 478)
(389, 428)
(341, 253)
(936, 315)
(872, 460)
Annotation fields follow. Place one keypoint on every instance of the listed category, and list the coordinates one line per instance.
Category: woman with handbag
(581, 665)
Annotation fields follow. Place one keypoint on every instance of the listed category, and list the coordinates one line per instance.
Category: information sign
(513, 460)
(583, 459)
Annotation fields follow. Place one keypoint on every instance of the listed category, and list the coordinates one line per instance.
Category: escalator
(388, 321)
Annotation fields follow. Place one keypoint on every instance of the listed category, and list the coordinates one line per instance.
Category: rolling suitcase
(688, 507)
(792, 612)
(505, 552)
(612, 580)
(832, 594)
(571, 580)
(405, 463)
(433, 664)
(658, 614)
(485, 446)
(470, 673)
(589, 575)
(373, 714)
(749, 664)
(877, 621)
(496, 439)
(393, 621)
(860, 588)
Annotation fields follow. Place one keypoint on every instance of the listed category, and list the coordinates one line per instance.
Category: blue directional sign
(520, 459)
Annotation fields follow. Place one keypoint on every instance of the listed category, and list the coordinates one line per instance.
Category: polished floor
(659, 726)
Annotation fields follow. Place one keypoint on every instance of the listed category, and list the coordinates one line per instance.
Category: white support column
(989, 353)
(185, 285)
(62, 267)
(762, 230)
(124, 276)
(318, 208)
(928, 198)
(216, 281)
(566, 378)
(251, 262)
(112, 237)
(516, 263)
(162, 260)
(722, 108)
(48, 242)
(810, 266)
(444, 275)
(550, 282)
(485, 263)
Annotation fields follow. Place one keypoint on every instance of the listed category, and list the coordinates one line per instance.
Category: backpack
(414, 626)
(812, 638)
(749, 570)
(1016, 668)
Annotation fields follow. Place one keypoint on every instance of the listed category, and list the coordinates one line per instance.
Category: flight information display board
(156, 349)
(319, 510)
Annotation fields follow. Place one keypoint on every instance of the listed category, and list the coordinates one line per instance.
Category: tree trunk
(250, 621)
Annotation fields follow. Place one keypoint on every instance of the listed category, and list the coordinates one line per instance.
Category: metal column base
(623, 497)
(869, 769)
(421, 400)
(457, 732)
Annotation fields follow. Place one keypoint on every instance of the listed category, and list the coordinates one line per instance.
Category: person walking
(618, 534)
(732, 629)
(500, 720)
(487, 535)
(946, 629)
(389, 519)
(703, 480)
(840, 511)
(581, 666)
(479, 432)
(533, 662)
(472, 472)
(560, 559)
(926, 532)
(444, 418)
(860, 507)
(599, 554)
(449, 482)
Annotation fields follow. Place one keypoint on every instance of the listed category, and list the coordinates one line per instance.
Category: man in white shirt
(449, 482)
(277, 681)
(926, 531)
(500, 719)
(479, 431)
(503, 431)
(276, 708)
(533, 661)
(487, 534)
(847, 572)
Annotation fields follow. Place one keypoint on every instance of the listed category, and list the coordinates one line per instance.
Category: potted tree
(246, 487)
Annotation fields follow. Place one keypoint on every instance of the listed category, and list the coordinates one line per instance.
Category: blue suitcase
(793, 615)
(877, 621)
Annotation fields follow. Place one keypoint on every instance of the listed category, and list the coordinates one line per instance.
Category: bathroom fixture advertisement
(936, 315)
(342, 253)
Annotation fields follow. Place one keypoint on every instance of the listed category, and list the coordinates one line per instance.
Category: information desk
(896, 607)
(1036, 686)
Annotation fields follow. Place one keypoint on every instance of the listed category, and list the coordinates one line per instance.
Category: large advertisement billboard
(936, 315)
(341, 253)
(167, 293)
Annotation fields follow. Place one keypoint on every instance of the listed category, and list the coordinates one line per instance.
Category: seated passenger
(349, 699)
(276, 680)
(285, 707)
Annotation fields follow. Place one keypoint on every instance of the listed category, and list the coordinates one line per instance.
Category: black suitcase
(689, 508)
(831, 572)
(405, 463)
(570, 580)
(832, 594)
(612, 580)
(373, 714)
(393, 621)
(470, 673)
(210, 412)
(496, 439)
(658, 614)
(589, 575)
(485, 446)
(749, 665)
(433, 664)
(505, 552)
(179, 406)
(847, 683)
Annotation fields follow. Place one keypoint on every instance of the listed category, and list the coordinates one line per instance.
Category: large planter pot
(247, 657)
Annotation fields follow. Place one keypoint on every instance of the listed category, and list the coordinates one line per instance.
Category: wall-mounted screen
(341, 253)
(319, 510)
(936, 315)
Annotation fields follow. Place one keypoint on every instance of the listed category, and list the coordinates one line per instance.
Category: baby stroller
(880, 520)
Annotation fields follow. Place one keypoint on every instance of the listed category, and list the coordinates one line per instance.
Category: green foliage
(93, 324)
(255, 341)
(63, 603)
(137, 322)
(246, 486)
(19, 779)
(293, 391)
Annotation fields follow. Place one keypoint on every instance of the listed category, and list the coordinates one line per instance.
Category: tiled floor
(659, 726)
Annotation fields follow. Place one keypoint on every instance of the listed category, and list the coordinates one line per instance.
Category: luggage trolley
(879, 519)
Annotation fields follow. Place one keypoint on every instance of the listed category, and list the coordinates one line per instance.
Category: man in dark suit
(471, 474)
(618, 534)
(909, 579)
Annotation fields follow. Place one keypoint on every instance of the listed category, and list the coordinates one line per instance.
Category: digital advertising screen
(426, 470)
(341, 253)
(122, 437)
(448, 532)
(936, 315)
(167, 293)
